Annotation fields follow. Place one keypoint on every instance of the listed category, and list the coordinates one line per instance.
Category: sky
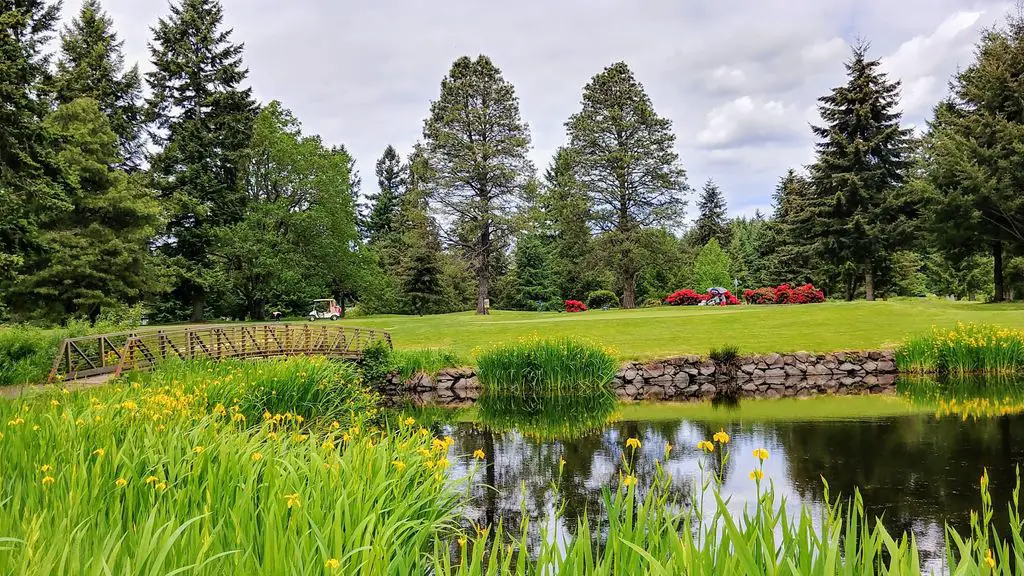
(739, 79)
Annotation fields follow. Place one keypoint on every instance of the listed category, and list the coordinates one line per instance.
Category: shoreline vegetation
(237, 466)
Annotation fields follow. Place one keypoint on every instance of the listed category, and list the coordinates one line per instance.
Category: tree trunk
(482, 271)
(629, 293)
(997, 255)
(198, 304)
(869, 286)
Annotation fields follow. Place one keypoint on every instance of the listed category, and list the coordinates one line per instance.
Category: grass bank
(671, 330)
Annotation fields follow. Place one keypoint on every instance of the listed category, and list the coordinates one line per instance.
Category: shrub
(685, 297)
(711, 268)
(784, 294)
(563, 366)
(725, 354)
(651, 303)
(575, 306)
(688, 297)
(602, 298)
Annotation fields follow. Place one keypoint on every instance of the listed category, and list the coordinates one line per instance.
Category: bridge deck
(112, 354)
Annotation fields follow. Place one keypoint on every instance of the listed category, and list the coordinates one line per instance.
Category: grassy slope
(660, 332)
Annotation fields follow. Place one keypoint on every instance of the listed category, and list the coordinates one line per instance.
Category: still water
(916, 458)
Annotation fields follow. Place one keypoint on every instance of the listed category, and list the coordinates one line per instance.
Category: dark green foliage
(91, 65)
(295, 240)
(476, 146)
(392, 178)
(750, 251)
(421, 258)
(977, 170)
(908, 277)
(791, 233)
(548, 417)
(711, 221)
(600, 298)
(532, 278)
(862, 155)
(27, 186)
(202, 119)
(625, 160)
(95, 252)
(376, 364)
(564, 214)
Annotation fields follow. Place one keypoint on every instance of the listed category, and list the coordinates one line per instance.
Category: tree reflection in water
(918, 471)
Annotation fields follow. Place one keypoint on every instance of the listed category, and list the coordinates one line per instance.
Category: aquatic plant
(160, 477)
(534, 366)
(965, 349)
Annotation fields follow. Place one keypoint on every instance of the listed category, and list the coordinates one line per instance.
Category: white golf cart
(326, 309)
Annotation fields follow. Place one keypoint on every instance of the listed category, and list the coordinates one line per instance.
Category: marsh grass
(536, 367)
(547, 417)
(306, 387)
(966, 349)
(165, 477)
(724, 354)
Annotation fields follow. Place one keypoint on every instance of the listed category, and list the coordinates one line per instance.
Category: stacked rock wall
(693, 377)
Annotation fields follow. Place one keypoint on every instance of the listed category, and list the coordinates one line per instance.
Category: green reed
(148, 478)
(428, 361)
(564, 366)
(966, 349)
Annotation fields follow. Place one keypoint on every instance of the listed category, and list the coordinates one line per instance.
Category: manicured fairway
(659, 332)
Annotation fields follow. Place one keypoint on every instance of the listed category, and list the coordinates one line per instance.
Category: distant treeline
(200, 203)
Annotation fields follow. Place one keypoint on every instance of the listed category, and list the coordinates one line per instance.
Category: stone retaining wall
(693, 377)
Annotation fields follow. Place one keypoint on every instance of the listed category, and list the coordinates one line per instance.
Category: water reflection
(918, 470)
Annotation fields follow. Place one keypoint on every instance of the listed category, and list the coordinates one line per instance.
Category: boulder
(629, 372)
(774, 361)
(707, 369)
(848, 367)
(775, 373)
(653, 370)
(804, 357)
(748, 368)
(708, 390)
(885, 367)
(792, 371)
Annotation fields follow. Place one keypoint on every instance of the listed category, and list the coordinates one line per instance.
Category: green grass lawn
(665, 331)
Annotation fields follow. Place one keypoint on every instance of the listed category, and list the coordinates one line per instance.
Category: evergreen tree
(202, 120)
(712, 221)
(748, 239)
(96, 252)
(976, 168)
(711, 269)
(565, 208)
(91, 65)
(476, 144)
(391, 180)
(627, 163)
(791, 230)
(27, 187)
(421, 266)
(860, 165)
(533, 279)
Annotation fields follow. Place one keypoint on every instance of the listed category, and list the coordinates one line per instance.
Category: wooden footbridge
(112, 354)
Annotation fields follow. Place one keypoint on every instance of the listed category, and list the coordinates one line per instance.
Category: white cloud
(738, 79)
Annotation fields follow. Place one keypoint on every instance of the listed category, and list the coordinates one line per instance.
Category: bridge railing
(143, 349)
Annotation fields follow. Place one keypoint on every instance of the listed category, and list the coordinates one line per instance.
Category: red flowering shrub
(685, 297)
(575, 306)
(784, 294)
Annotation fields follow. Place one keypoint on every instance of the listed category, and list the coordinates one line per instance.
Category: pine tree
(392, 178)
(976, 167)
(712, 221)
(627, 163)
(91, 65)
(791, 229)
(96, 253)
(476, 145)
(532, 276)
(861, 159)
(421, 266)
(27, 187)
(565, 208)
(202, 119)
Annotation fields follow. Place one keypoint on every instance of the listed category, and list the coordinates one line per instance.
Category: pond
(916, 457)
